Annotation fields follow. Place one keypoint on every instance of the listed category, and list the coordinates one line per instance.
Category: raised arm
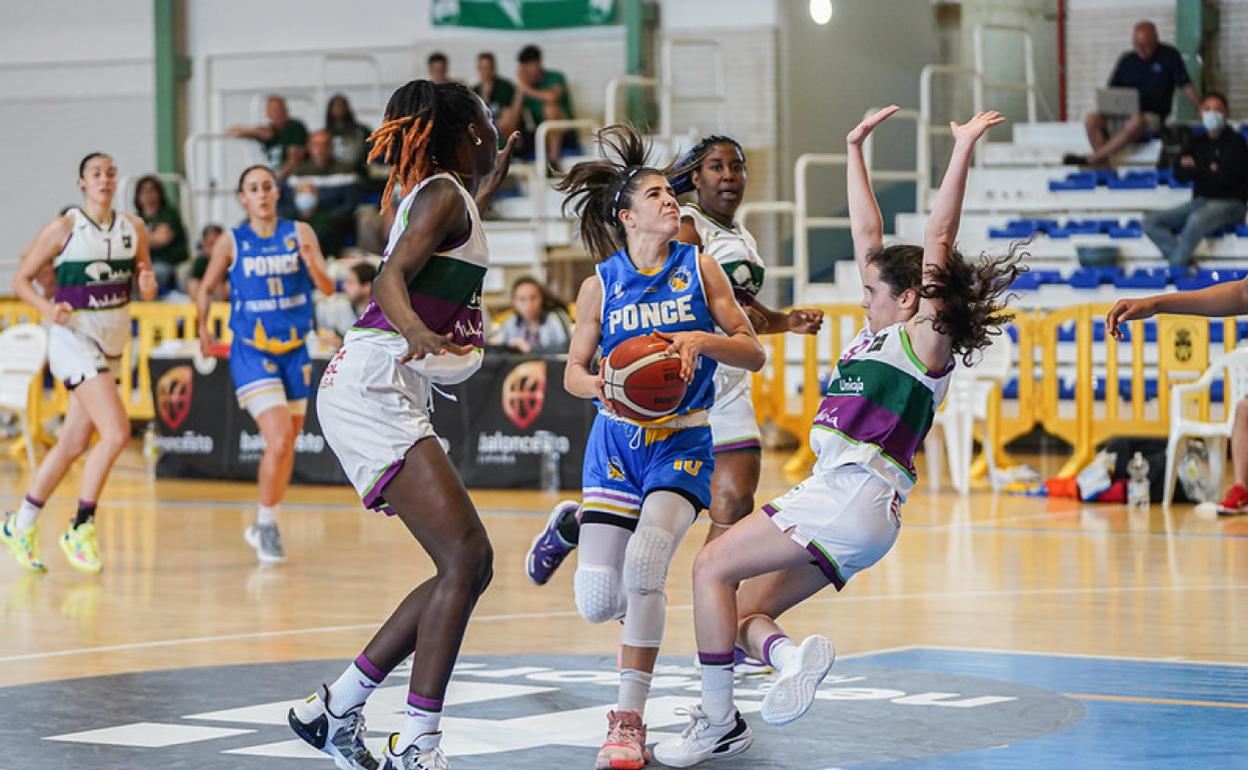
(866, 225)
(586, 336)
(490, 184)
(310, 253)
(1223, 299)
(46, 245)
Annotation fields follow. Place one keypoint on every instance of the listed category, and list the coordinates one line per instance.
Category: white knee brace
(599, 593)
(645, 575)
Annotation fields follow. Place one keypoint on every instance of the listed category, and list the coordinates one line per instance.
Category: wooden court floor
(979, 575)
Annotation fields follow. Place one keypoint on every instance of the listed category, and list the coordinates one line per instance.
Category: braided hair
(423, 125)
(681, 176)
(598, 190)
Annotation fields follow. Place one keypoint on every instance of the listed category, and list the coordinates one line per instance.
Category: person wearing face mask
(1216, 162)
(326, 194)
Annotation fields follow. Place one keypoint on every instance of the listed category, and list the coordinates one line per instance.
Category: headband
(615, 202)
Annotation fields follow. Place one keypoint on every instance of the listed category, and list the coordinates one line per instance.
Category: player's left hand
(147, 283)
(970, 131)
(688, 346)
(805, 321)
(502, 161)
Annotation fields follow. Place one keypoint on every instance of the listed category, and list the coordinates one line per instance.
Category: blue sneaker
(549, 549)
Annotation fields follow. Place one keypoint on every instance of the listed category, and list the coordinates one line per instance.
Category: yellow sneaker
(81, 548)
(24, 545)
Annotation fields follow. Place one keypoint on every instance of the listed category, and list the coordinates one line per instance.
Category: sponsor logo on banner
(499, 448)
(305, 443)
(189, 443)
(173, 396)
(524, 393)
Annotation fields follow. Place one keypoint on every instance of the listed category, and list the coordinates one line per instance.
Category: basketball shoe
(81, 548)
(267, 541)
(549, 549)
(793, 692)
(625, 746)
(24, 545)
(339, 736)
(425, 753)
(701, 740)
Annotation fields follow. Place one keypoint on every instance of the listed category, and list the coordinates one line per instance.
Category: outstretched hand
(868, 124)
(1128, 310)
(502, 161)
(970, 131)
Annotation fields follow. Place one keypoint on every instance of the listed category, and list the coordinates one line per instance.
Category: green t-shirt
(501, 96)
(293, 134)
(174, 252)
(535, 108)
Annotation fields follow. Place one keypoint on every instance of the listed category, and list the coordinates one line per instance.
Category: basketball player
(877, 408)
(422, 327)
(643, 483)
(272, 265)
(96, 253)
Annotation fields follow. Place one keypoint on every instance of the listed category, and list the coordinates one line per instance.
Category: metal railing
(718, 95)
(611, 113)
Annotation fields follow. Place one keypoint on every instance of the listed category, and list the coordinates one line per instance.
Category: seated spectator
(348, 137)
(545, 97)
(538, 323)
(166, 236)
(1154, 69)
(283, 137)
(500, 95)
(330, 194)
(337, 314)
(1217, 163)
(438, 65)
(207, 240)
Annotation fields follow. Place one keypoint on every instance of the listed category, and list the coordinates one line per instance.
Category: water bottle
(1137, 487)
(151, 449)
(549, 461)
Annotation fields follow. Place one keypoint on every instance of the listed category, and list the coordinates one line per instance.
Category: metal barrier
(613, 94)
(1027, 85)
(893, 175)
(802, 221)
(539, 182)
(718, 95)
(927, 127)
(208, 186)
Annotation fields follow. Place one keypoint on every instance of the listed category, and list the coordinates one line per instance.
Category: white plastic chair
(1216, 434)
(23, 350)
(966, 403)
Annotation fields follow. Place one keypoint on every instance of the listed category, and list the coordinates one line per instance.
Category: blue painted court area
(1140, 714)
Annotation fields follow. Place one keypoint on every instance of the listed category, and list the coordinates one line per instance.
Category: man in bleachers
(284, 139)
(330, 194)
(499, 94)
(1216, 162)
(546, 97)
(1153, 69)
(438, 66)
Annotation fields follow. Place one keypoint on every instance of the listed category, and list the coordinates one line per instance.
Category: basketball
(641, 379)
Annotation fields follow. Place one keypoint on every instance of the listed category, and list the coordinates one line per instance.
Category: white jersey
(94, 272)
(734, 248)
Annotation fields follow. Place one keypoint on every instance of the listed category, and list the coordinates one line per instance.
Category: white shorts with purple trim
(74, 357)
(847, 518)
(372, 410)
(733, 424)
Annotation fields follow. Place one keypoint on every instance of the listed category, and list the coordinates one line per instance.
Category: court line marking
(926, 596)
(1157, 701)
(1039, 653)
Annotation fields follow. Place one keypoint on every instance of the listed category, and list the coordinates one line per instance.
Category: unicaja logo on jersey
(680, 280)
(173, 396)
(524, 393)
(102, 272)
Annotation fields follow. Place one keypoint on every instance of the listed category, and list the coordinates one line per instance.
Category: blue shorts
(263, 380)
(624, 463)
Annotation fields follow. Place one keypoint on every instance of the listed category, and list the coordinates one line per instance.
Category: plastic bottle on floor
(1138, 487)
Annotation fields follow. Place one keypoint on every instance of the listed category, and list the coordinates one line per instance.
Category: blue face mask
(1214, 121)
(305, 201)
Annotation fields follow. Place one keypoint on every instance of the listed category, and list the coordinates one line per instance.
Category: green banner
(523, 14)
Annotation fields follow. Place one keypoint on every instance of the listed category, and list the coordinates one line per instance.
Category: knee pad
(646, 560)
(598, 594)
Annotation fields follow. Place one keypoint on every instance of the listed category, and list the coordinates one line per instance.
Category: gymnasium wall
(1097, 33)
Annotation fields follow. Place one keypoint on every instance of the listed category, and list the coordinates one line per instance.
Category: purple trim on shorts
(372, 498)
(826, 566)
(767, 648)
(770, 509)
(431, 705)
(34, 502)
(618, 497)
(716, 658)
(366, 666)
(749, 443)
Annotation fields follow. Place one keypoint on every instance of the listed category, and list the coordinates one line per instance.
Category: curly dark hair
(598, 190)
(681, 174)
(973, 295)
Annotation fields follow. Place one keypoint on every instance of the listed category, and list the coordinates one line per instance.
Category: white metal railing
(204, 186)
(927, 126)
(896, 175)
(803, 222)
(718, 95)
(613, 93)
(1027, 85)
(539, 181)
(373, 111)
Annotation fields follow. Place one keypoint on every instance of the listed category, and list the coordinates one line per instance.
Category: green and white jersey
(733, 248)
(878, 407)
(94, 273)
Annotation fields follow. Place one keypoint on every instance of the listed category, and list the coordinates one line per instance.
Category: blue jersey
(670, 300)
(270, 289)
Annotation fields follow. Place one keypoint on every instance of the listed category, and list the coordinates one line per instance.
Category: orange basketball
(641, 379)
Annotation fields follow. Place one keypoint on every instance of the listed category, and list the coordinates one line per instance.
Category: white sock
(634, 689)
(351, 689)
(266, 514)
(27, 515)
(781, 653)
(717, 687)
(424, 715)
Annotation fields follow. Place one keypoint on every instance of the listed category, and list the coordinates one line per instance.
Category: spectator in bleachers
(1152, 68)
(330, 220)
(331, 192)
(207, 240)
(438, 66)
(538, 322)
(1216, 162)
(166, 235)
(337, 314)
(348, 136)
(545, 97)
(499, 94)
(284, 139)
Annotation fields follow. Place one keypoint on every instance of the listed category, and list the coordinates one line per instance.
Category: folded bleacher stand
(1235, 363)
